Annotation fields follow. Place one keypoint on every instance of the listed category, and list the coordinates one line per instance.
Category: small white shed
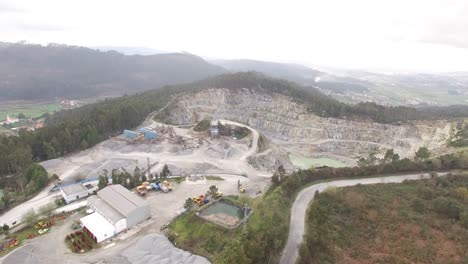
(74, 192)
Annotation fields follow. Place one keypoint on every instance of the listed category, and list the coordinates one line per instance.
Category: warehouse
(115, 209)
(74, 192)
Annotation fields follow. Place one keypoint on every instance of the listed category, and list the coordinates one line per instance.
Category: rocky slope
(288, 124)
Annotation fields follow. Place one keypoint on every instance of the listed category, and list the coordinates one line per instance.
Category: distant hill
(130, 50)
(46, 72)
(297, 73)
(293, 72)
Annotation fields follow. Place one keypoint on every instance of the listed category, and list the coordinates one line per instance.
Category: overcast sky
(394, 35)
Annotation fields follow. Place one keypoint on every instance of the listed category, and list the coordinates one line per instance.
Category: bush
(464, 219)
(451, 209)
(202, 126)
(29, 218)
(418, 205)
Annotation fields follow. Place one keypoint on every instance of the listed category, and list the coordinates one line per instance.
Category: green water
(306, 163)
(222, 208)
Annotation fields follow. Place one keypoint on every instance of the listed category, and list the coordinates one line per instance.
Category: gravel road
(300, 205)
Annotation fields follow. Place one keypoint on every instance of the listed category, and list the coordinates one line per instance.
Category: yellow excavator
(239, 186)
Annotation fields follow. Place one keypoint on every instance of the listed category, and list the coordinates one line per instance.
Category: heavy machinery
(163, 187)
(239, 186)
(218, 195)
(155, 186)
(200, 200)
(168, 185)
(141, 190)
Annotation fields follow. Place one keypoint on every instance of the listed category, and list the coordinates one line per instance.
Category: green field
(306, 163)
(29, 109)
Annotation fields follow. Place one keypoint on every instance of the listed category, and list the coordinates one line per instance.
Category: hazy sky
(417, 35)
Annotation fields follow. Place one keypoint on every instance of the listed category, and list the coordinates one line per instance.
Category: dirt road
(299, 208)
(253, 149)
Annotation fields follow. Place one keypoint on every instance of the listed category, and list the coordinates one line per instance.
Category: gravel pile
(156, 248)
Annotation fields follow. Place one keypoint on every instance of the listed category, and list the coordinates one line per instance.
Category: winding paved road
(300, 205)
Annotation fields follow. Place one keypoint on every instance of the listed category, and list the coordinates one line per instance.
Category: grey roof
(121, 199)
(74, 188)
(105, 209)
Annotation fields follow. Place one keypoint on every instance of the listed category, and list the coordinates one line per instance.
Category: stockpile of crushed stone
(156, 248)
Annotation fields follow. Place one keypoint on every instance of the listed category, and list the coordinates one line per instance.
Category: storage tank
(130, 134)
(150, 134)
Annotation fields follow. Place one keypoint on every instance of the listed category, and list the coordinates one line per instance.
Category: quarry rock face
(287, 123)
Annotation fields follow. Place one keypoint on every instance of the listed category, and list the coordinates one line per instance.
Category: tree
(362, 162)
(372, 159)
(37, 177)
(234, 253)
(136, 176)
(316, 194)
(464, 220)
(165, 172)
(450, 208)
(47, 210)
(115, 177)
(21, 116)
(281, 172)
(422, 154)
(103, 182)
(5, 228)
(188, 205)
(390, 156)
(275, 178)
(29, 218)
(6, 198)
(212, 191)
(49, 150)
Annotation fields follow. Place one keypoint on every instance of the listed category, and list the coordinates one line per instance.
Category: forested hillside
(48, 72)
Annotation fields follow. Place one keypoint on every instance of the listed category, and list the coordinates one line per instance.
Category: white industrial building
(75, 192)
(115, 210)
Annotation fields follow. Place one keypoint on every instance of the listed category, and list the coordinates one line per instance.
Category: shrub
(450, 208)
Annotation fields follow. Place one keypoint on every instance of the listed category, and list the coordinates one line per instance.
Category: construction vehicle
(239, 186)
(163, 187)
(197, 201)
(141, 190)
(39, 225)
(155, 186)
(217, 195)
(168, 185)
(200, 200)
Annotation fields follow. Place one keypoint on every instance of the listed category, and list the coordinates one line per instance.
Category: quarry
(291, 128)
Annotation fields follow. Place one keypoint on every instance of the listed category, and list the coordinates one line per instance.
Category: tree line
(131, 180)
